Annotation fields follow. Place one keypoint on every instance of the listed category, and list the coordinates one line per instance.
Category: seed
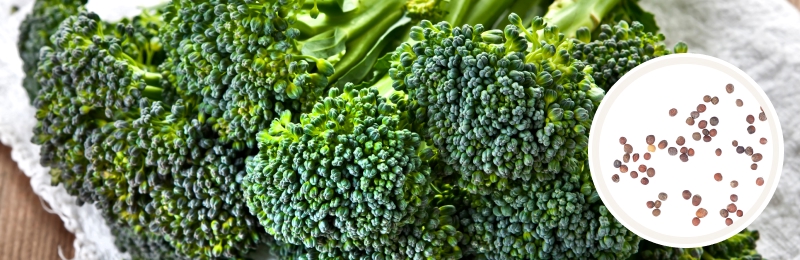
(731, 208)
(712, 132)
(701, 108)
(635, 157)
(615, 178)
(734, 184)
(714, 100)
(617, 163)
(634, 174)
(763, 140)
(658, 204)
(684, 149)
(750, 119)
(686, 194)
(642, 167)
(651, 148)
(754, 167)
(739, 149)
(662, 196)
(650, 139)
(672, 151)
(647, 156)
(691, 152)
(706, 98)
(626, 158)
(623, 169)
(702, 124)
(680, 140)
(748, 151)
(762, 109)
(713, 121)
(728, 221)
(650, 204)
(656, 212)
(739, 103)
(684, 157)
(701, 213)
(739, 213)
(696, 221)
(707, 138)
(734, 197)
(705, 132)
(628, 148)
(662, 144)
(751, 129)
(690, 121)
(694, 114)
(756, 157)
(760, 181)
(729, 88)
(718, 176)
(651, 172)
(623, 140)
(718, 152)
(723, 213)
(645, 181)
(696, 200)
(762, 116)
(696, 136)
(673, 112)
(735, 143)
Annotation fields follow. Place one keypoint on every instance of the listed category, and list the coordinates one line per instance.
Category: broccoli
(740, 247)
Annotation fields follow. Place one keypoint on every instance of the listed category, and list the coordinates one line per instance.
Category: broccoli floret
(741, 246)
(141, 244)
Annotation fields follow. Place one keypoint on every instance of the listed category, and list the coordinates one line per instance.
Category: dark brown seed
(751, 129)
(696, 136)
(623, 140)
(684, 149)
(635, 157)
(728, 221)
(718, 152)
(714, 100)
(645, 181)
(673, 112)
(739, 149)
(684, 157)
(729, 88)
(756, 157)
(617, 163)
(748, 151)
(718, 176)
(690, 121)
(701, 213)
(662, 144)
(762, 116)
(702, 124)
(739, 103)
(672, 151)
(696, 221)
(735, 143)
(628, 148)
(723, 213)
(623, 169)
(763, 140)
(650, 204)
(707, 138)
(656, 212)
(647, 156)
(706, 98)
(734, 197)
(642, 167)
(658, 204)
(694, 114)
(686, 194)
(615, 178)
(713, 121)
(750, 119)
(734, 184)
(701, 108)
(754, 167)
(650, 139)
(662, 196)
(712, 132)
(680, 140)
(731, 208)
(696, 199)
(690, 152)
(760, 181)
(651, 172)
(739, 213)
(634, 174)
(705, 132)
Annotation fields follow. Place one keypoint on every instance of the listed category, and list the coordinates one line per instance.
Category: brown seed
(684, 149)
(707, 138)
(714, 100)
(750, 119)
(650, 139)
(734, 184)
(696, 221)
(739, 149)
(739, 103)
(713, 121)
(754, 167)
(623, 140)
(690, 152)
(735, 143)
(651, 148)
(760, 181)
(762, 116)
(694, 114)
(729, 88)
(656, 212)
(706, 98)
(658, 204)
(684, 157)
(672, 151)
(626, 158)
(696, 136)
(739, 213)
(718, 176)
(642, 167)
(635, 157)
(690, 121)
(634, 174)
(651, 172)
(728, 221)
(686, 194)
(748, 151)
(731, 208)
(650, 204)
(751, 129)
(701, 213)
(734, 197)
(723, 213)
(705, 132)
(718, 152)
(617, 163)
(645, 181)
(763, 140)
(712, 132)
(673, 112)
(701, 108)
(702, 124)
(696, 199)
(756, 157)
(628, 148)
(762, 109)
(615, 178)
(647, 156)
(623, 169)
(662, 196)
(680, 140)
(662, 144)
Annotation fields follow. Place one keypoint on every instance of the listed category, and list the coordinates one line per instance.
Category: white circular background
(638, 105)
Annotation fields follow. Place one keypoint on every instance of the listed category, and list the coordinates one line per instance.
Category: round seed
(728, 221)
(734, 184)
(706, 98)
(615, 178)
(756, 157)
(712, 132)
(718, 176)
(731, 208)
(684, 157)
(762, 116)
(701, 213)
(656, 212)
(718, 152)
(701, 108)
(694, 114)
(751, 129)
(672, 151)
(707, 138)
(714, 100)
(750, 119)
(690, 121)
(617, 163)
(647, 156)
(673, 112)
(684, 149)
(713, 121)
(754, 167)
(642, 167)
(763, 140)
(650, 204)
(650, 139)
(739, 213)
(662, 144)
(696, 136)
(696, 221)
(662, 196)
(680, 140)
(657, 204)
(748, 151)
(760, 181)
(690, 152)
(739, 149)
(623, 140)
(628, 148)
(729, 88)
(626, 158)
(705, 132)
(734, 197)
(686, 194)
(651, 148)
(696, 199)
(634, 174)
(635, 157)
(702, 124)
(645, 181)
(651, 172)
(739, 103)
(723, 213)
(623, 169)
(735, 143)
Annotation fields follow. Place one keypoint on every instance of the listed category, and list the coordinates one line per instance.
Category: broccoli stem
(457, 11)
(569, 15)
(486, 12)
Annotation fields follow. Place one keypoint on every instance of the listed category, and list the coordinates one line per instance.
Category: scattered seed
(706, 98)
(623, 169)
(684, 157)
(651, 148)
(760, 181)
(734, 197)
(756, 157)
(762, 116)
(696, 199)
(634, 174)
(729, 88)
(739, 213)
(739, 103)
(735, 143)
(690, 121)
(673, 112)
(723, 213)
(686, 194)
(684, 149)
(705, 132)
(718, 176)
(650, 204)
(696, 221)
(701, 108)
(696, 136)
(626, 158)
(712, 132)
(690, 152)
(763, 140)
(662, 196)
(651, 172)
(656, 212)
(751, 129)
(658, 204)
(623, 140)
(628, 148)
(754, 167)
(645, 181)
(672, 151)
(748, 151)
(694, 114)
(617, 163)
(731, 208)
(714, 100)
(734, 184)
(615, 178)
(707, 138)
(713, 121)
(650, 139)
(718, 152)
(662, 144)
(739, 149)
(647, 156)
(680, 140)
(702, 124)
(642, 167)
(728, 221)
(750, 119)
(635, 157)
(701, 213)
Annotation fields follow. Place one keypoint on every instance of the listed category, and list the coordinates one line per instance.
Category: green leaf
(363, 68)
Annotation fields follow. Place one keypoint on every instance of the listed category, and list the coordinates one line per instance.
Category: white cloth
(762, 37)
